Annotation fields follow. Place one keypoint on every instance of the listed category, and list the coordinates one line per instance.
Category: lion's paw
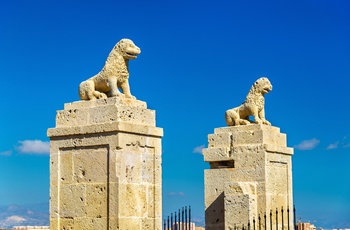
(244, 122)
(266, 122)
(102, 96)
(259, 122)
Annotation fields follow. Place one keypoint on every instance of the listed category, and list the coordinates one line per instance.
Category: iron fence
(278, 220)
(273, 220)
(179, 220)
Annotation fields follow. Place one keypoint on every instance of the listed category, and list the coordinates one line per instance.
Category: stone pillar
(250, 174)
(105, 170)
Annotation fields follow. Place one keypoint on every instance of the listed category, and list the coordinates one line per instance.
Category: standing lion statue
(114, 74)
(252, 106)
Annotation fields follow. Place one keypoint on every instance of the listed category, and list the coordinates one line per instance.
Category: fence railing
(274, 220)
(179, 220)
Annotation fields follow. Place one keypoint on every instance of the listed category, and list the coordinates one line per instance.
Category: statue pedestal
(250, 174)
(105, 170)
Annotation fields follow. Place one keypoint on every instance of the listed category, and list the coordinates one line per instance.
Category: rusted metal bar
(282, 218)
(295, 220)
(276, 218)
(168, 223)
(186, 217)
(171, 221)
(183, 221)
(288, 218)
(189, 218)
(270, 219)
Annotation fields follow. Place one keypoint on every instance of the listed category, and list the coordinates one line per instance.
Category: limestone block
(259, 179)
(96, 200)
(78, 113)
(117, 101)
(66, 168)
(113, 199)
(90, 165)
(147, 169)
(134, 197)
(130, 223)
(219, 140)
(148, 224)
(133, 168)
(215, 213)
(124, 114)
(54, 224)
(245, 128)
(105, 166)
(66, 223)
(54, 168)
(155, 176)
(214, 183)
(216, 154)
(281, 139)
(279, 149)
(113, 223)
(54, 202)
(246, 156)
(239, 188)
(240, 203)
(238, 208)
(72, 201)
(155, 198)
(150, 196)
(105, 128)
(86, 223)
(249, 134)
(72, 117)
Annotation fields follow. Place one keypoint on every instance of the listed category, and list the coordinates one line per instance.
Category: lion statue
(253, 105)
(114, 74)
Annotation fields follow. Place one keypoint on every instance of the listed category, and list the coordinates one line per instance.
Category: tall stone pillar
(105, 170)
(250, 174)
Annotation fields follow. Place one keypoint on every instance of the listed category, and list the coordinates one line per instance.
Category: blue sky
(197, 61)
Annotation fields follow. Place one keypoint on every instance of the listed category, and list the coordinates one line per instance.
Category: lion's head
(127, 49)
(262, 85)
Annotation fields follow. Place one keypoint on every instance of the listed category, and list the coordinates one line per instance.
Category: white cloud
(34, 147)
(307, 144)
(176, 194)
(343, 143)
(198, 149)
(333, 146)
(6, 153)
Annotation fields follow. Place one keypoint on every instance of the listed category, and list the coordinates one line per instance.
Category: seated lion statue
(252, 106)
(114, 74)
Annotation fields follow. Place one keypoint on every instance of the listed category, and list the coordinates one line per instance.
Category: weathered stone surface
(72, 201)
(115, 109)
(250, 174)
(105, 170)
(240, 203)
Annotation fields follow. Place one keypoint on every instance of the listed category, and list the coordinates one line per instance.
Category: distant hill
(34, 214)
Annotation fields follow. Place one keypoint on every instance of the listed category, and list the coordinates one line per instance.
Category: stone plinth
(250, 174)
(105, 170)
